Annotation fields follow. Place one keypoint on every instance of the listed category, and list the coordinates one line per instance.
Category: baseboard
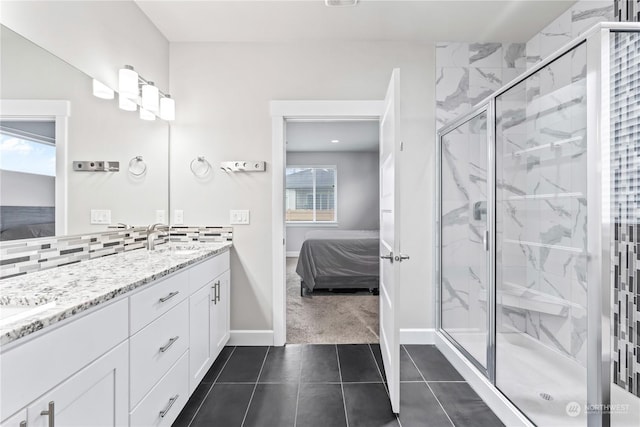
(250, 338)
(292, 254)
(500, 405)
(417, 336)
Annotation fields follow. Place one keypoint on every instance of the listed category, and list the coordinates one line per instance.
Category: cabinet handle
(168, 297)
(169, 344)
(219, 290)
(171, 402)
(23, 424)
(216, 289)
(51, 414)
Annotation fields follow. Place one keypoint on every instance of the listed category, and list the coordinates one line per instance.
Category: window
(311, 194)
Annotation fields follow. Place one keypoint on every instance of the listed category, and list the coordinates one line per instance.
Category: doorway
(332, 230)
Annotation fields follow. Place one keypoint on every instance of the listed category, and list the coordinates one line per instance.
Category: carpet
(326, 318)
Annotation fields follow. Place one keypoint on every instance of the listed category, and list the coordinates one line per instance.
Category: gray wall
(26, 189)
(358, 184)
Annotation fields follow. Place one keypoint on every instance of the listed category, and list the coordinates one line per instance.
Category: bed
(26, 222)
(339, 259)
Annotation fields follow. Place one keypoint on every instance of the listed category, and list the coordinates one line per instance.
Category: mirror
(36, 157)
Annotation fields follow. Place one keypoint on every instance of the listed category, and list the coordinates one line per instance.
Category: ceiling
(370, 20)
(316, 136)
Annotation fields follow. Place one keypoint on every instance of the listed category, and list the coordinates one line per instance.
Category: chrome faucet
(153, 232)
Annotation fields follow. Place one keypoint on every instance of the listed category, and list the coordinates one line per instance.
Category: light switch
(100, 216)
(178, 217)
(161, 216)
(239, 217)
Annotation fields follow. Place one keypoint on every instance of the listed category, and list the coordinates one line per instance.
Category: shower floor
(542, 383)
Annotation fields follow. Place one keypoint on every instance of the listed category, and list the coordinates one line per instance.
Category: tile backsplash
(25, 256)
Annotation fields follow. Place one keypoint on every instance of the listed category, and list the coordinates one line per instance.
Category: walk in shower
(538, 225)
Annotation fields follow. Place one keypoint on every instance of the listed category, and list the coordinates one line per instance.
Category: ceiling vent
(340, 3)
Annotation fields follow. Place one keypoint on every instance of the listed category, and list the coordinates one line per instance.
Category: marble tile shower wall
(579, 18)
(625, 155)
(27, 256)
(466, 73)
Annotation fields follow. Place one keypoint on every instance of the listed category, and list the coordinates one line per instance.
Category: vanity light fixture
(150, 97)
(135, 90)
(128, 82)
(147, 115)
(101, 90)
(167, 108)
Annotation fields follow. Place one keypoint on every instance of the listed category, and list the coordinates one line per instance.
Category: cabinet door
(97, 395)
(18, 420)
(220, 318)
(200, 334)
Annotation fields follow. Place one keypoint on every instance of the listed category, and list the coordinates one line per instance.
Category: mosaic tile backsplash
(25, 256)
(625, 157)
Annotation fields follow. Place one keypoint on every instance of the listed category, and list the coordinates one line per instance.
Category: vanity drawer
(147, 305)
(203, 273)
(155, 348)
(167, 398)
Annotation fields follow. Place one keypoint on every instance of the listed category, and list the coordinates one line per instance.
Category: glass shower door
(541, 242)
(464, 256)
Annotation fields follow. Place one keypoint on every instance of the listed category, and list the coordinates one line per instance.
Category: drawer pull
(169, 344)
(51, 415)
(171, 402)
(168, 297)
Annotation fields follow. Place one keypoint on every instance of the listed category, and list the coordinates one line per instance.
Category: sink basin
(14, 313)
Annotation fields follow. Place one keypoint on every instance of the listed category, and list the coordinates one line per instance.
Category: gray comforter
(339, 258)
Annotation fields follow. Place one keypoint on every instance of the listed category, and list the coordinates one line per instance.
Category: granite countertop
(59, 293)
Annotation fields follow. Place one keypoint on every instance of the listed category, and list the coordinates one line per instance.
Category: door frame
(59, 111)
(280, 112)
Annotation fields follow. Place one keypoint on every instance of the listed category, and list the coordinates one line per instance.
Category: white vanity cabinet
(131, 361)
(208, 315)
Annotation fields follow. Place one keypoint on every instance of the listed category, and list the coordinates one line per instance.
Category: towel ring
(200, 166)
(137, 166)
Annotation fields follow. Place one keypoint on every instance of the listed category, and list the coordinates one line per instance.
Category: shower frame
(599, 309)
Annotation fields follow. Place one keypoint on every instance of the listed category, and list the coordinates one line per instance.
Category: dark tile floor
(332, 385)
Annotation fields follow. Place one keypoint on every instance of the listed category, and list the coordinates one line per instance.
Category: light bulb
(150, 97)
(167, 108)
(101, 90)
(146, 114)
(128, 82)
(127, 104)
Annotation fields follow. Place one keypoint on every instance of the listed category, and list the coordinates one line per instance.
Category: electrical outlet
(239, 217)
(100, 216)
(178, 217)
(161, 216)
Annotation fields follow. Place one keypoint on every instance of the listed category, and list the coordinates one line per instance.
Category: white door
(389, 238)
(200, 331)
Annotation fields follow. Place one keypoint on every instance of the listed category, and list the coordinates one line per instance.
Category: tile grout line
(386, 387)
(344, 400)
(295, 420)
(430, 389)
(378, 368)
(255, 387)
(211, 388)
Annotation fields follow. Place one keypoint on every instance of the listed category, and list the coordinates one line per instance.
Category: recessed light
(335, 141)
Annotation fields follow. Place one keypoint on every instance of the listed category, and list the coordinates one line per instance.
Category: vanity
(121, 340)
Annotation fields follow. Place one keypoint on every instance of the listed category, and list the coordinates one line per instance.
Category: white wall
(224, 91)
(358, 200)
(97, 130)
(26, 189)
(97, 37)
